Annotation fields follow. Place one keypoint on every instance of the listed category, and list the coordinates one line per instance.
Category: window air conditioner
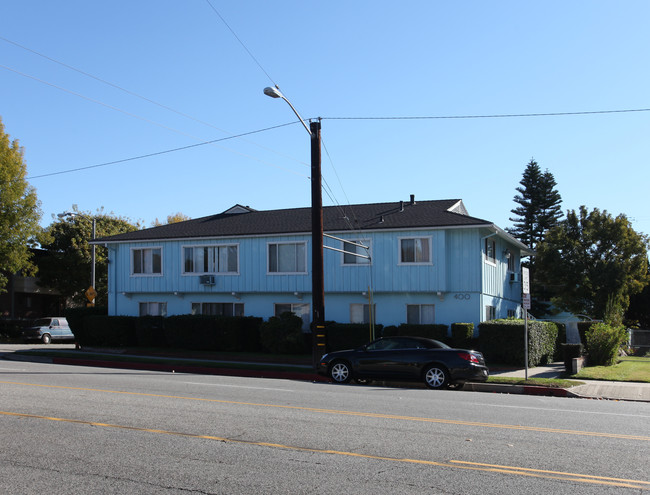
(206, 279)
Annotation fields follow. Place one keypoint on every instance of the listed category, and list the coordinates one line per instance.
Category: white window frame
(208, 246)
(146, 274)
(400, 261)
(490, 312)
(284, 243)
(364, 308)
(493, 259)
(358, 261)
(420, 314)
(197, 308)
(161, 308)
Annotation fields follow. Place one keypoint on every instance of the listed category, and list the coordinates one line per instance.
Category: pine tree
(539, 205)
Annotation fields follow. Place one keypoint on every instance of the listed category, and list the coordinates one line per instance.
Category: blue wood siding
(457, 280)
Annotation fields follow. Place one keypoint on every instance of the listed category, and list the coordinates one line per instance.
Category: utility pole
(318, 285)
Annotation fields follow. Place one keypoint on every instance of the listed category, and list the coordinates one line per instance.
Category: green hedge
(349, 335)
(603, 343)
(77, 322)
(502, 341)
(212, 333)
(462, 335)
(283, 334)
(583, 326)
(436, 331)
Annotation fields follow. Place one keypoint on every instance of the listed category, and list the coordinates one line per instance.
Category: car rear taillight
(468, 357)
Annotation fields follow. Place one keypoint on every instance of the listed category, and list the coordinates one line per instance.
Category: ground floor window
(490, 313)
(512, 313)
(299, 309)
(420, 314)
(153, 309)
(360, 313)
(218, 309)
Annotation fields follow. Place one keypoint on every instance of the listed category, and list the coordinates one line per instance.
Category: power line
(129, 92)
(164, 152)
(240, 42)
(492, 116)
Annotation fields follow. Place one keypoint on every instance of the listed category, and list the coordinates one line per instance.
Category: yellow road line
(354, 413)
(473, 466)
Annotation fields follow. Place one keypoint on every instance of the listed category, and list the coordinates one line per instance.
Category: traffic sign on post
(525, 280)
(91, 294)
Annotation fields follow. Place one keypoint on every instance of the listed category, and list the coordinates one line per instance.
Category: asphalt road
(70, 429)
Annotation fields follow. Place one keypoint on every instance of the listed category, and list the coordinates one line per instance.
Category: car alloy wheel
(436, 377)
(46, 339)
(340, 372)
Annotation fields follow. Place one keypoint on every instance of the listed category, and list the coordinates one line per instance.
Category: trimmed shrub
(149, 331)
(109, 331)
(560, 341)
(76, 321)
(502, 341)
(462, 335)
(349, 335)
(603, 343)
(583, 326)
(283, 334)
(437, 332)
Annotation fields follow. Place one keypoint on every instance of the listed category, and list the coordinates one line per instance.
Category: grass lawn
(628, 369)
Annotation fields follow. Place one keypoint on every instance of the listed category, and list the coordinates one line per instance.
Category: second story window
(289, 257)
(147, 261)
(490, 251)
(210, 259)
(415, 250)
(350, 249)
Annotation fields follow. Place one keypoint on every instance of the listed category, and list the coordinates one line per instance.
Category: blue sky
(331, 59)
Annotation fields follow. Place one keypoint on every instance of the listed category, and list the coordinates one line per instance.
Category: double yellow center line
(511, 470)
(473, 466)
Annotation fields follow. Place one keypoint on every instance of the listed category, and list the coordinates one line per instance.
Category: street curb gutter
(500, 388)
(203, 370)
(497, 388)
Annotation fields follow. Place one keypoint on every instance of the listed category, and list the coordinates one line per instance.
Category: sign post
(525, 289)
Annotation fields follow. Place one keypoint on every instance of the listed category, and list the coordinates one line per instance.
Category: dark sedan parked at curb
(405, 359)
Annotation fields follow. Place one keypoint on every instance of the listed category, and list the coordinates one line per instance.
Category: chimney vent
(401, 206)
(412, 199)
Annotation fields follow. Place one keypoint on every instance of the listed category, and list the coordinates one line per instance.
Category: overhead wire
(493, 116)
(168, 151)
(136, 95)
(240, 42)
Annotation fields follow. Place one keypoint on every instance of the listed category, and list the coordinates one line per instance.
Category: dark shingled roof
(377, 216)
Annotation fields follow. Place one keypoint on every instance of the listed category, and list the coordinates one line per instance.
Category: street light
(72, 214)
(317, 279)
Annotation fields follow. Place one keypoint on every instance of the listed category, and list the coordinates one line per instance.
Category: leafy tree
(638, 313)
(175, 218)
(593, 262)
(67, 266)
(539, 205)
(19, 212)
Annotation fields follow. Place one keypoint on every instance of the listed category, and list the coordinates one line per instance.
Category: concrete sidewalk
(592, 389)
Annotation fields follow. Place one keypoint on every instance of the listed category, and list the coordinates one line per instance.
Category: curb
(500, 388)
(202, 370)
